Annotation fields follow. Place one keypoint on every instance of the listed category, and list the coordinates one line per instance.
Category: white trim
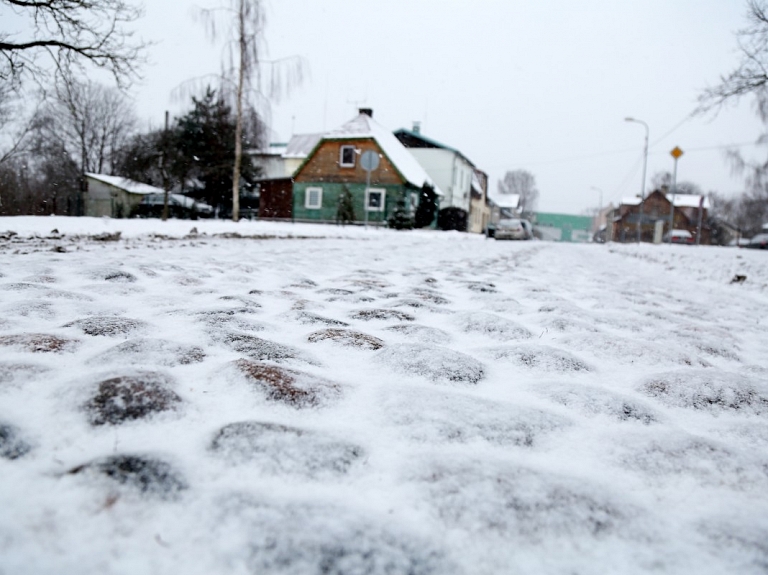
(383, 194)
(341, 157)
(308, 194)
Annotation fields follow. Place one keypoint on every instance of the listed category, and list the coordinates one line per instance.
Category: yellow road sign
(676, 153)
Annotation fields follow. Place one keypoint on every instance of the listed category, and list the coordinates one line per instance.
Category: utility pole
(163, 168)
(645, 167)
(676, 153)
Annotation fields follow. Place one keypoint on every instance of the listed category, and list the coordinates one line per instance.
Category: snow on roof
(631, 201)
(363, 126)
(688, 200)
(130, 186)
(506, 201)
(476, 185)
(177, 199)
(300, 145)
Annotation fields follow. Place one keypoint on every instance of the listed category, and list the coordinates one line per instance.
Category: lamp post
(645, 166)
(600, 207)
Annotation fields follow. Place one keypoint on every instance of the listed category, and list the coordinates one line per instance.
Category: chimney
(416, 127)
(367, 111)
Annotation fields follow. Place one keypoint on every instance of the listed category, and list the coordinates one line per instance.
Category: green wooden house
(330, 186)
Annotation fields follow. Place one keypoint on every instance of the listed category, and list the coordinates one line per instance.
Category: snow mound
(710, 390)
(438, 364)
(290, 387)
(538, 358)
(263, 349)
(492, 326)
(680, 456)
(150, 351)
(39, 343)
(14, 374)
(431, 296)
(421, 333)
(276, 449)
(108, 325)
(628, 350)
(429, 416)
(593, 401)
(112, 275)
(146, 475)
(347, 338)
(382, 314)
(520, 504)
(293, 539)
(307, 318)
(130, 397)
(12, 446)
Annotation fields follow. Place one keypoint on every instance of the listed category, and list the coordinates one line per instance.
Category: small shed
(114, 196)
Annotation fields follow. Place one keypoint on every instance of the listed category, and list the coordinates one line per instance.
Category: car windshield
(510, 224)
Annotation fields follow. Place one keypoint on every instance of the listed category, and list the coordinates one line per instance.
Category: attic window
(347, 157)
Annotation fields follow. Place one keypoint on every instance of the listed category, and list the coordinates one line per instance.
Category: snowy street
(302, 399)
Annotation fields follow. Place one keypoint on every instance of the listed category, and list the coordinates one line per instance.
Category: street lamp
(645, 166)
(600, 208)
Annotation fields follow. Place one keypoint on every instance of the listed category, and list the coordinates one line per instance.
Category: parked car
(759, 242)
(513, 229)
(679, 237)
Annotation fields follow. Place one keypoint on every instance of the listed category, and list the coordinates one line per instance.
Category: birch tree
(249, 75)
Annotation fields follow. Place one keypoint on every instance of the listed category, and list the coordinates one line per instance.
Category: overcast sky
(541, 85)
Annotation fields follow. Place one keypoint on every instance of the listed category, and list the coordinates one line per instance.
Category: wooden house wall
(323, 165)
(276, 198)
(332, 192)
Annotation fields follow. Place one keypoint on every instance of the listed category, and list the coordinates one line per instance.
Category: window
(313, 198)
(347, 157)
(374, 199)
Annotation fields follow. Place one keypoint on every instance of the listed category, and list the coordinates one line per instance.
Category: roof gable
(125, 184)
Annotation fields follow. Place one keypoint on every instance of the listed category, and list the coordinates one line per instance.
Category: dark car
(759, 242)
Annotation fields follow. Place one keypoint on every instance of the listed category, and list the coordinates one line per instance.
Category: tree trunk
(239, 123)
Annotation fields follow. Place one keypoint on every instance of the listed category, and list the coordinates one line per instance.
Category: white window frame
(307, 196)
(368, 193)
(341, 157)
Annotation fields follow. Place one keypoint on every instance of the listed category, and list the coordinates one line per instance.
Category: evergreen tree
(346, 211)
(400, 219)
(425, 213)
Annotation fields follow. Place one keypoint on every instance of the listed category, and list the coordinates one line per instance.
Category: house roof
(688, 200)
(125, 184)
(363, 126)
(428, 142)
(300, 145)
(178, 200)
(505, 201)
(631, 201)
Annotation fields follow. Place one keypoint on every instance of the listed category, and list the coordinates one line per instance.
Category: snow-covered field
(274, 399)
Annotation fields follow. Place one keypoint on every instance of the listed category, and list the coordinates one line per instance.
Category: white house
(449, 169)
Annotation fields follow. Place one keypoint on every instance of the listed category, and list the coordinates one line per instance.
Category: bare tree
(71, 33)
(16, 125)
(750, 77)
(249, 75)
(522, 183)
(91, 122)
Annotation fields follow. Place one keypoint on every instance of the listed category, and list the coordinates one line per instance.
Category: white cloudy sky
(543, 85)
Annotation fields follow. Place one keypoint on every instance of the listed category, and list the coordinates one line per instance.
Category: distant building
(562, 227)
(689, 210)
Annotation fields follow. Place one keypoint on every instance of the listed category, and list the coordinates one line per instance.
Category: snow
(688, 200)
(271, 398)
(505, 201)
(126, 184)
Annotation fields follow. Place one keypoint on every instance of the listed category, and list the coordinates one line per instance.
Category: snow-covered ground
(275, 399)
